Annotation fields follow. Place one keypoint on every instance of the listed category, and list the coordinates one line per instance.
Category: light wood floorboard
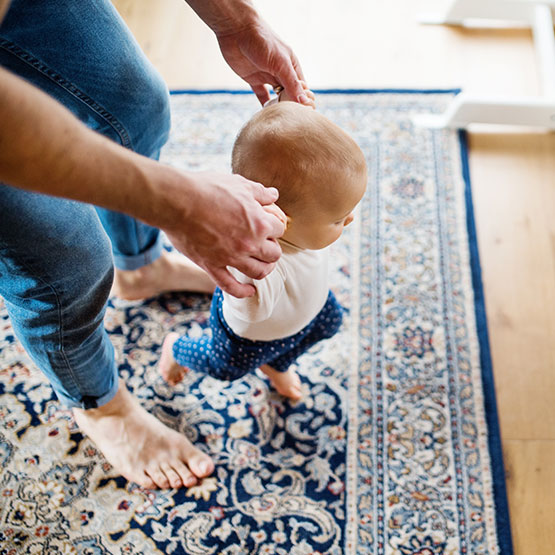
(375, 44)
(531, 490)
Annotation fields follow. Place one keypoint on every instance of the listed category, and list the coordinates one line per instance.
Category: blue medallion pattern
(388, 451)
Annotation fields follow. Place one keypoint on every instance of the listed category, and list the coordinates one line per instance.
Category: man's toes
(199, 464)
(173, 477)
(158, 477)
(187, 478)
(143, 480)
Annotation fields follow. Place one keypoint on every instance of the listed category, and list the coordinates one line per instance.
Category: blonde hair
(300, 152)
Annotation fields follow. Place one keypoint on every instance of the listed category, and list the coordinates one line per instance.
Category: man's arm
(251, 48)
(226, 16)
(44, 148)
(217, 220)
(3, 8)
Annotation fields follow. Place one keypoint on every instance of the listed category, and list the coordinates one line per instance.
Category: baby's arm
(261, 305)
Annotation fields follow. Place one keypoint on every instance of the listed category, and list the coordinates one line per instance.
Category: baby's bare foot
(287, 383)
(140, 447)
(170, 272)
(172, 372)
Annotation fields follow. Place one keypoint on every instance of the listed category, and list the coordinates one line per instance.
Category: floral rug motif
(393, 450)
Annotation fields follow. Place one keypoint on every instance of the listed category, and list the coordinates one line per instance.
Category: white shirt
(286, 300)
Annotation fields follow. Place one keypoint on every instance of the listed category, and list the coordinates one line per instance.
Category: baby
(320, 173)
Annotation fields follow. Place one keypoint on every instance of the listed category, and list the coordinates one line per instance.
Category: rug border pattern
(492, 421)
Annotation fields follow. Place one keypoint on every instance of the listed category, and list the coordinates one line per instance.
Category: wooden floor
(375, 44)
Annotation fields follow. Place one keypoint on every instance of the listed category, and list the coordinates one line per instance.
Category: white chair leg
(544, 42)
(464, 109)
(535, 111)
(457, 12)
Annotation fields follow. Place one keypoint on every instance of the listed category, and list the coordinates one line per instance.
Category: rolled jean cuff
(136, 261)
(85, 377)
(90, 402)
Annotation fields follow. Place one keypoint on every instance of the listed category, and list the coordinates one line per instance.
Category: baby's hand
(278, 213)
(283, 96)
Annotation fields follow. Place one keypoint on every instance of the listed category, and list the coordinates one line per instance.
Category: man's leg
(55, 276)
(82, 54)
(57, 301)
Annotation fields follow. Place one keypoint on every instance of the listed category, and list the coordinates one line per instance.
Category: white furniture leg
(536, 111)
(457, 12)
(466, 109)
(544, 42)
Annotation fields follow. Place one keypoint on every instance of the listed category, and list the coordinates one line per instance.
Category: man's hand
(284, 96)
(260, 57)
(227, 220)
(218, 220)
(251, 48)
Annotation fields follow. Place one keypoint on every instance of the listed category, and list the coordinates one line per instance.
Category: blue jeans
(56, 255)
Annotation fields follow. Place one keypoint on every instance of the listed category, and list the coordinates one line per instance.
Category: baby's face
(326, 230)
(321, 227)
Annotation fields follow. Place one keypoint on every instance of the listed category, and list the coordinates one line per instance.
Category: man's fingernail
(303, 99)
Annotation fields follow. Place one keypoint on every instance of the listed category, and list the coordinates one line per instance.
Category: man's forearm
(225, 16)
(4, 4)
(44, 148)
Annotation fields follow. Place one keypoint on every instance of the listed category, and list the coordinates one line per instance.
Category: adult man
(56, 265)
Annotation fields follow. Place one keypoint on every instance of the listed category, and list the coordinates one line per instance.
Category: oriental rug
(395, 447)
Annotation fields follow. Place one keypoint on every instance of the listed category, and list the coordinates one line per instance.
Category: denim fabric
(81, 53)
(56, 261)
(226, 356)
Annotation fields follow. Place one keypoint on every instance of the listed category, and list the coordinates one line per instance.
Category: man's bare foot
(287, 383)
(172, 271)
(140, 447)
(172, 372)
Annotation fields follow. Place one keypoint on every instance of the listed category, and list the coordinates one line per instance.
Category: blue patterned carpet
(395, 448)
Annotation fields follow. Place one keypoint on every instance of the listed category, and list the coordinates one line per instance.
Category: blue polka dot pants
(227, 356)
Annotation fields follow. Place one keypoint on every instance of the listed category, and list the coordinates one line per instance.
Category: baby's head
(319, 170)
